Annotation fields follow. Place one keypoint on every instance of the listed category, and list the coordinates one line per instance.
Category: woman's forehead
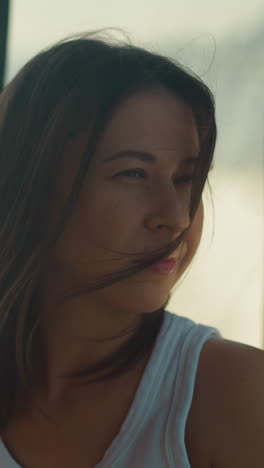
(149, 122)
(146, 122)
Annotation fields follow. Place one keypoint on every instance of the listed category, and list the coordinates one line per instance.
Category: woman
(105, 151)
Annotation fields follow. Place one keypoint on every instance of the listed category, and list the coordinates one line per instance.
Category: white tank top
(152, 434)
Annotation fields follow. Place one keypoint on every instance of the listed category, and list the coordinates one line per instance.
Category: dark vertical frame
(4, 15)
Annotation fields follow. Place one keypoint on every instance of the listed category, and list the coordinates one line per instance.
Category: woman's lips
(168, 264)
(164, 267)
(172, 257)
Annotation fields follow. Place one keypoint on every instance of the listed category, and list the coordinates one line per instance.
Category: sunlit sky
(35, 24)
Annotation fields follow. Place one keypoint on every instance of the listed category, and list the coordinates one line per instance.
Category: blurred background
(223, 43)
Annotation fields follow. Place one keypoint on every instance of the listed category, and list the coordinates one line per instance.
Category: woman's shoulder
(229, 362)
(229, 397)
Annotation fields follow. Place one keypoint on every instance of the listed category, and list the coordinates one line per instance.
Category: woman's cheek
(193, 237)
(195, 233)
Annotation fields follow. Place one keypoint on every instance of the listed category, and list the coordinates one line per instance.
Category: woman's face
(130, 206)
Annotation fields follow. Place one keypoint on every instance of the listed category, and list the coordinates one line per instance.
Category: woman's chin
(145, 304)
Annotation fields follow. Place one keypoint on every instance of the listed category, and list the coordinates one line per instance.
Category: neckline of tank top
(136, 414)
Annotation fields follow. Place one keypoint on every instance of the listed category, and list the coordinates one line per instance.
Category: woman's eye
(129, 171)
(184, 180)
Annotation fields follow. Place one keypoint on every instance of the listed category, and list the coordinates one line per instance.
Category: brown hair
(76, 84)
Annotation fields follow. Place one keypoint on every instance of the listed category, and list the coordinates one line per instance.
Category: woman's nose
(171, 210)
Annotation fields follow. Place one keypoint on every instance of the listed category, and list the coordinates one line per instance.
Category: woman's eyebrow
(145, 156)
